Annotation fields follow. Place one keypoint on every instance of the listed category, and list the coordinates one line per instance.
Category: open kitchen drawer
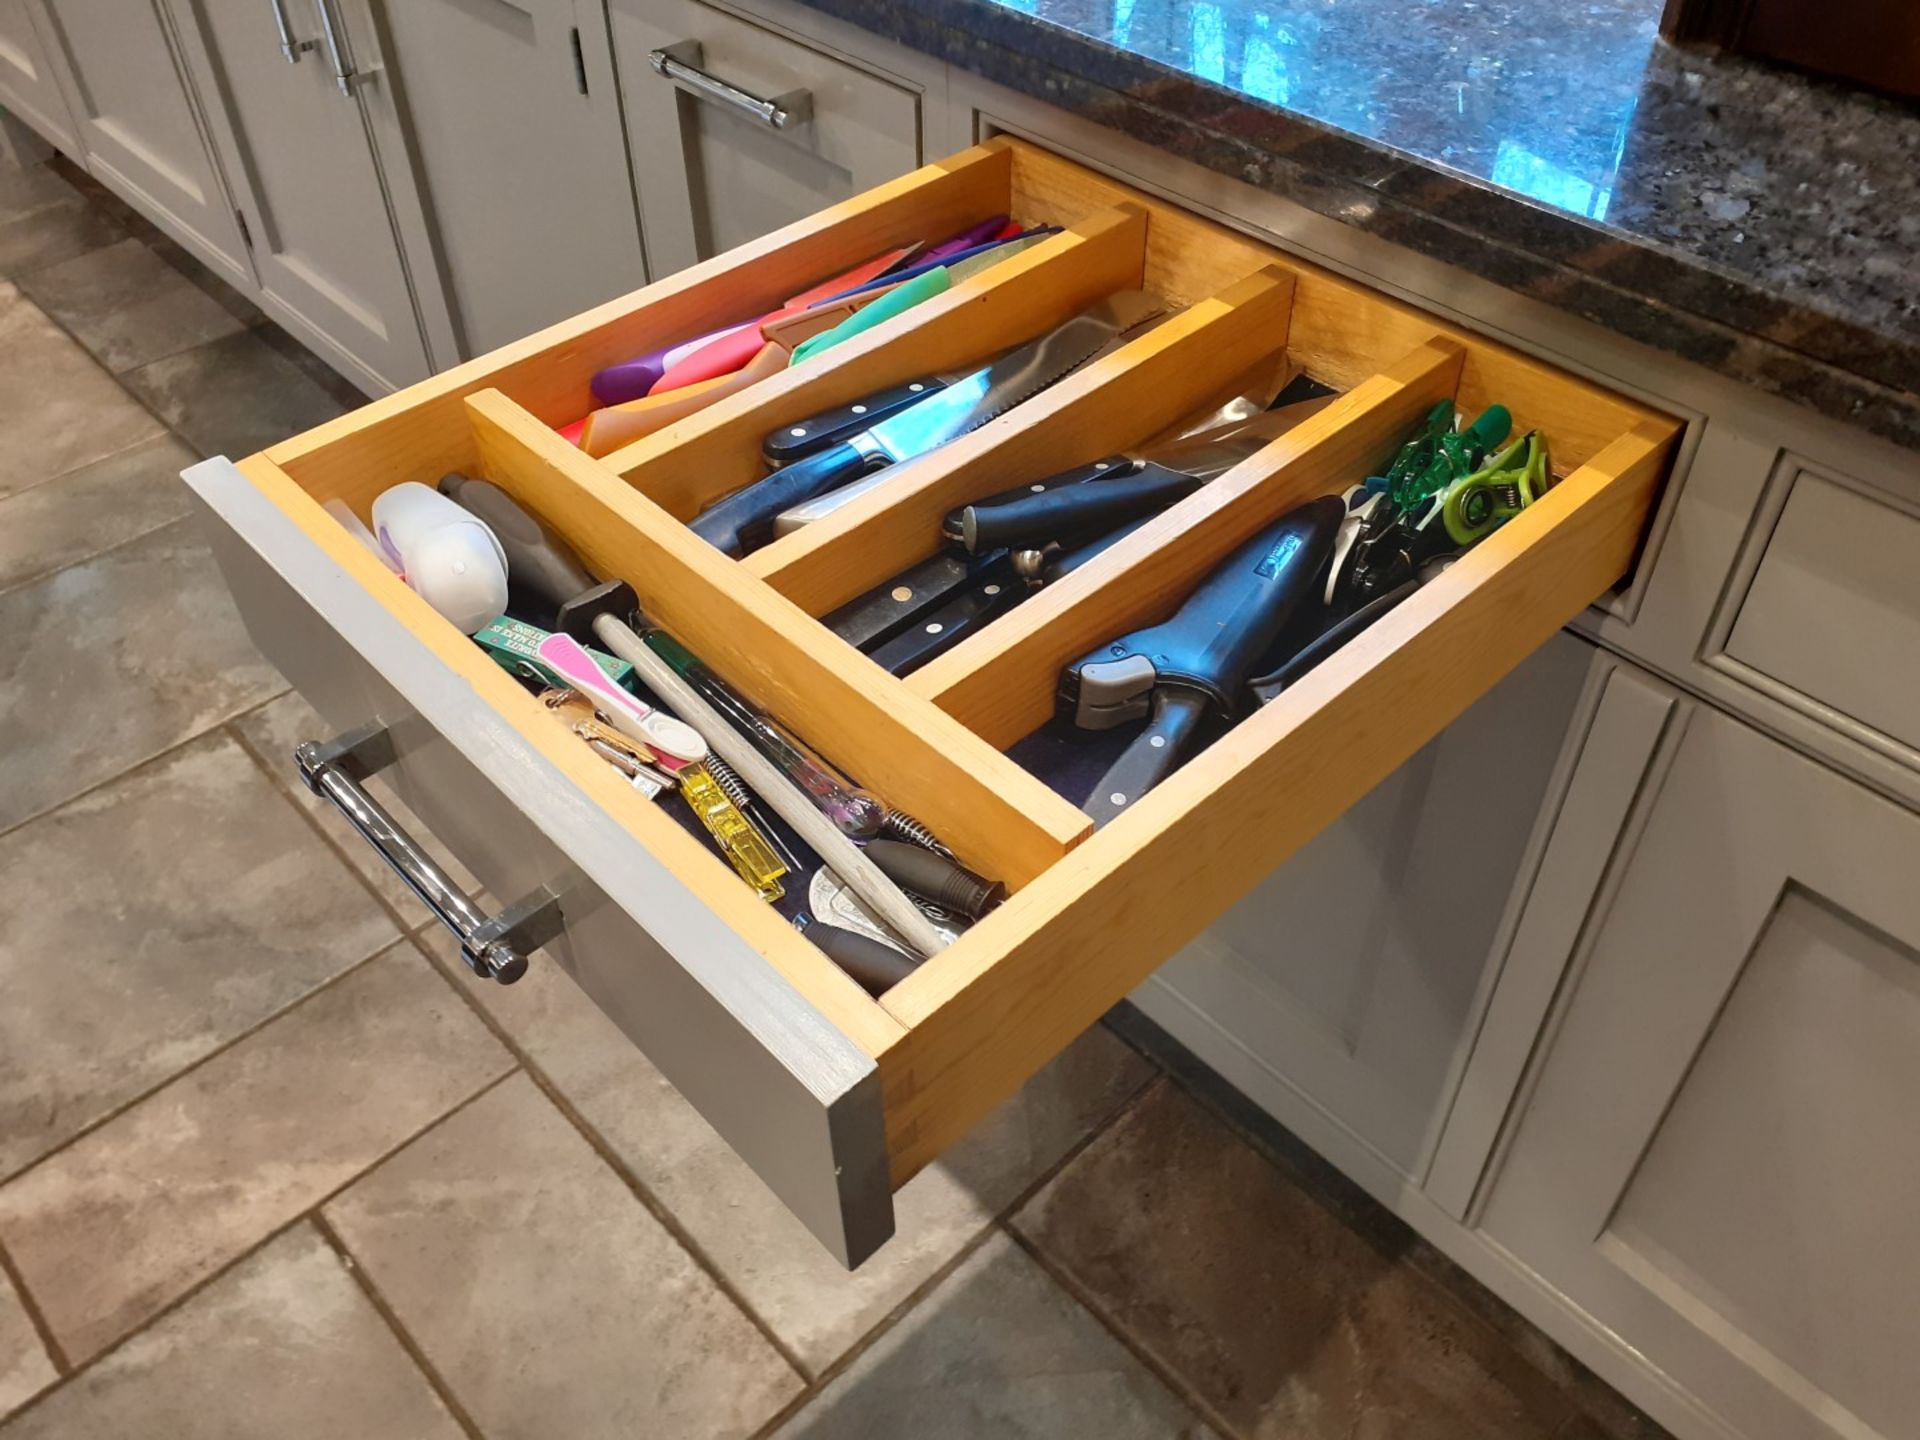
(837, 1098)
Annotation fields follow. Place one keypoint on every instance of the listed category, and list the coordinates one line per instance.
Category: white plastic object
(356, 527)
(445, 552)
(674, 741)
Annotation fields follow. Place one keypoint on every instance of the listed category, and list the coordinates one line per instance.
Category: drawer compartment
(836, 1097)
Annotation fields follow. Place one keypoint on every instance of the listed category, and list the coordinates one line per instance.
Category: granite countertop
(1758, 222)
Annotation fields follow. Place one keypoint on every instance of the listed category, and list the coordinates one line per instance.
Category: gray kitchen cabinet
(138, 122)
(27, 84)
(1715, 1156)
(294, 141)
(497, 124)
(715, 162)
(1345, 987)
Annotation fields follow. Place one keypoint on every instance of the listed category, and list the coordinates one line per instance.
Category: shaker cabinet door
(1718, 1156)
(27, 84)
(294, 139)
(716, 163)
(139, 124)
(498, 127)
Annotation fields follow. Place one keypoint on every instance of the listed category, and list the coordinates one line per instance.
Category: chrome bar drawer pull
(289, 47)
(494, 947)
(680, 63)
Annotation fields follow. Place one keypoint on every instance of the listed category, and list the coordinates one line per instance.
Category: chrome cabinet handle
(289, 47)
(680, 63)
(344, 75)
(494, 948)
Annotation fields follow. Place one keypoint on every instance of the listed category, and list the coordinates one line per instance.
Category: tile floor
(271, 1165)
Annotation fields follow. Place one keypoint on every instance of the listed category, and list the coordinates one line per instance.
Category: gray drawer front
(1831, 610)
(796, 1099)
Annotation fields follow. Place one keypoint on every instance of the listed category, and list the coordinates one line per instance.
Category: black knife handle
(1111, 468)
(890, 606)
(805, 437)
(996, 591)
(876, 966)
(744, 520)
(1070, 512)
(1152, 756)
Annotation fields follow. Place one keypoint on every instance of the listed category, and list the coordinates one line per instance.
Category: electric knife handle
(815, 433)
(745, 518)
(1076, 510)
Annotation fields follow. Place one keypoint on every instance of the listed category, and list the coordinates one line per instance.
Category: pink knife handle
(673, 740)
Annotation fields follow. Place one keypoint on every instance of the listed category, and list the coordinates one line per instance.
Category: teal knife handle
(744, 520)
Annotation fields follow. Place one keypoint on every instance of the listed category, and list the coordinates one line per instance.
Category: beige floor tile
(234, 395)
(122, 1221)
(112, 661)
(126, 305)
(173, 910)
(58, 409)
(801, 1292)
(284, 1345)
(92, 509)
(273, 730)
(55, 222)
(996, 1350)
(543, 1292)
(1289, 1324)
(25, 1368)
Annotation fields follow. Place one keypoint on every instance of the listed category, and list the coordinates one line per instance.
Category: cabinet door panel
(323, 240)
(1351, 974)
(1718, 1157)
(712, 176)
(498, 123)
(138, 124)
(28, 86)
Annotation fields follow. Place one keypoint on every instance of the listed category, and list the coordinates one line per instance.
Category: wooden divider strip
(697, 460)
(1343, 332)
(422, 430)
(1141, 389)
(1000, 683)
(1000, 820)
(986, 1014)
(825, 985)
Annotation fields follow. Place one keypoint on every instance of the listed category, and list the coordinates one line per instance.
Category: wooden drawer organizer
(837, 1098)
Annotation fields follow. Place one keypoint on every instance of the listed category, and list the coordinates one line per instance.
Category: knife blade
(746, 516)
(825, 503)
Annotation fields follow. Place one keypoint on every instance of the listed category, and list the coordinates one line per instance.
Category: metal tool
(746, 849)
(1195, 664)
(857, 813)
(741, 519)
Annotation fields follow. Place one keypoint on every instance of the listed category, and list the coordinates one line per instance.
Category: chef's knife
(736, 522)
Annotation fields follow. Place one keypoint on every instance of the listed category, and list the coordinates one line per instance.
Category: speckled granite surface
(1760, 223)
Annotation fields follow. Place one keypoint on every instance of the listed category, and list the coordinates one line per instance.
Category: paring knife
(966, 404)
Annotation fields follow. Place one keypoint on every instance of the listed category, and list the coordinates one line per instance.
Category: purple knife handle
(631, 379)
(967, 239)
